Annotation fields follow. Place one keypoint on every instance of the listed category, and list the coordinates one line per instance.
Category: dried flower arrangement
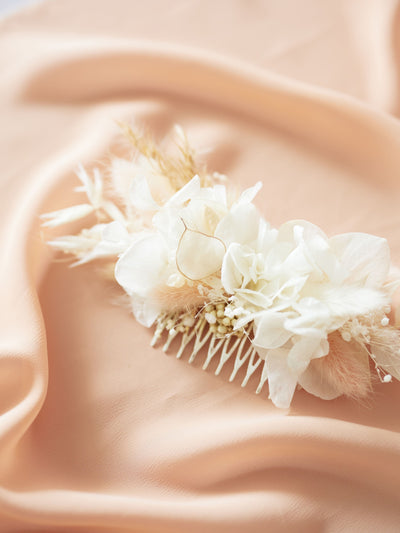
(199, 263)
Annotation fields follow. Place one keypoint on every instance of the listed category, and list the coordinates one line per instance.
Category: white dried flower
(179, 243)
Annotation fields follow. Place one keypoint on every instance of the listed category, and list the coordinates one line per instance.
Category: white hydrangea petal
(255, 298)
(288, 292)
(199, 255)
(392, 282)
(305, 349)
(282, 380)
(307, 231)
(365, 257)
(245, 320)
(116, 232)
(234, 268)
(203, 215)
(240, 225)
(313, 382)
(297, 263)
(142, 267)
(191, 189)
(310, 250)
(220, 194)
(313, 318)
(266, 237)
(249, 194)
(269, 330)
(169, 224)
(145, 311)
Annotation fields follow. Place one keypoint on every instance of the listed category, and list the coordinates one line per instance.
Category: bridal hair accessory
(207, 271)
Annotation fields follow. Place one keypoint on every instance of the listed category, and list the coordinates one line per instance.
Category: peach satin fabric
(99, 432)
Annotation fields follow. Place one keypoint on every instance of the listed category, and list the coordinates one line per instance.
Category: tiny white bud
(229, 312)
(385, 321)
(222, 330)
(387, 378)
(211, 318)
(220, 313)
(226, 321)
(188, 321)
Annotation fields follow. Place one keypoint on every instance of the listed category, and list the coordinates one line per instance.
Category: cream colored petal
(143, 266)
(304, 350)
(249, 194)
(116, 232)
(294, 230)
(345, 370)
(199, 255)
(365, 257)
(269, 330)
(240, 225)
(234, 268)
(310, 251)
(313, 318)
(145, 311)
(192, 188)
(314, 381)
(282, 380)
(169, 224)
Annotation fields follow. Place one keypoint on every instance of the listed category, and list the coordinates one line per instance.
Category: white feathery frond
(69, 214)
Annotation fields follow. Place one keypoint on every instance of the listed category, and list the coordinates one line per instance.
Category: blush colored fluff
(345, 369)
(179, 298)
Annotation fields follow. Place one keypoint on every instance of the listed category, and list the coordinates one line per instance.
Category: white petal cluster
(294, 284)
(193, 246)
(184, 244)
(297, 286)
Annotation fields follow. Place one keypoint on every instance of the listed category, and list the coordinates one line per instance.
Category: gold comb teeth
(202, 266)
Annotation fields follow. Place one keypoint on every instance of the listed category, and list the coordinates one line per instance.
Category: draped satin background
(100, 432)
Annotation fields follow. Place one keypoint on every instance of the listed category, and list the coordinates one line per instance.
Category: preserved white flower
(307, 310)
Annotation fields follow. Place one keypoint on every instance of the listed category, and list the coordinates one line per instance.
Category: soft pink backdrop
(99, 432)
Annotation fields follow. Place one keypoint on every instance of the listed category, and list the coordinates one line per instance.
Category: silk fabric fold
(100, 432)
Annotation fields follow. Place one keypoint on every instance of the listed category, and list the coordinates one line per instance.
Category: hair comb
(202, 266)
